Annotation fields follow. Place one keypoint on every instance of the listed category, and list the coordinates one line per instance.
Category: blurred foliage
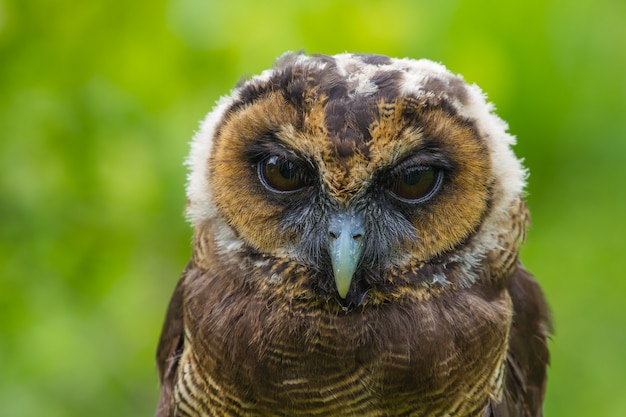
(99, 99)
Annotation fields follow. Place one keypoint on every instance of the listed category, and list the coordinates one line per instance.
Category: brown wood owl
(357, 222)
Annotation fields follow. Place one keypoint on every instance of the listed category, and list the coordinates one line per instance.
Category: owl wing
(171, 346)
(528, 356)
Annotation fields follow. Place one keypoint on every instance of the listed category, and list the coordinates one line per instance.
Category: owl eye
(280, 174)
(416, 183)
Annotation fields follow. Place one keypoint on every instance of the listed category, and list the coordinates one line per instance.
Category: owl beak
(346, 243)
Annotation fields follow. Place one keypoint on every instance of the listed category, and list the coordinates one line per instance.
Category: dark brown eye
(416, 184)
(282, 175)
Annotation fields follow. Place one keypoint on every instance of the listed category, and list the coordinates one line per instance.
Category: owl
(357, 223)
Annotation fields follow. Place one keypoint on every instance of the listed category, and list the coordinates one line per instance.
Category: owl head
(354, 178)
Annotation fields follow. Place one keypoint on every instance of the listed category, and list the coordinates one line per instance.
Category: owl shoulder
(528, 355)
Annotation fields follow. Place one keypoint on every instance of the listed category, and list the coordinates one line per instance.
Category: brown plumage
(357, 222)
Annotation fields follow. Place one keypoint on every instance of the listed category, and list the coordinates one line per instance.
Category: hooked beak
(345, 245)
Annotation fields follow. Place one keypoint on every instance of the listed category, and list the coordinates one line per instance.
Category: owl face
(352, 168)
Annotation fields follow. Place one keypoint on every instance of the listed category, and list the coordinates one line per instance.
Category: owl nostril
(347, 226)
(335, 235)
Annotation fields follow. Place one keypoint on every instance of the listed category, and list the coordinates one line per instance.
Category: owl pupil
(287, 170)
(413, 176)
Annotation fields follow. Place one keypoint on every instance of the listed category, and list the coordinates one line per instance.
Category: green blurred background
(98, 100)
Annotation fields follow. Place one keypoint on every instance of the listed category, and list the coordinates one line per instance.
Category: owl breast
(260, 354)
